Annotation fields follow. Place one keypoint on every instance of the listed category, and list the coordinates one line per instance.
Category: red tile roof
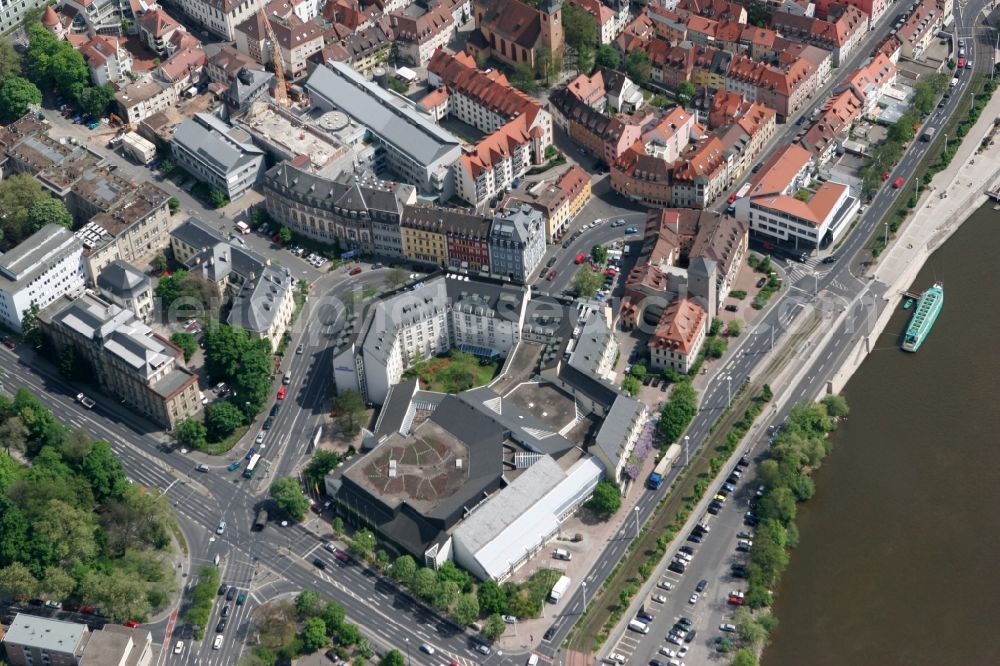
(679, 327)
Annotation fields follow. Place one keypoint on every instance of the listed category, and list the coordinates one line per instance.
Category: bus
(261, 521)
(251, 466)
(740, 193)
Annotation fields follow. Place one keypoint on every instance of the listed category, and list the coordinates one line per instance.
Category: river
(897, 562)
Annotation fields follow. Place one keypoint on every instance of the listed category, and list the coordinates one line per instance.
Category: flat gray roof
(215, 142)
(35, 253)
(44, 634)
(338, 86)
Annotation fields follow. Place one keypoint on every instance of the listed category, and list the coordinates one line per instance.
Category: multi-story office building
(221, 16)
(218, 154)
(31, 640)
(415, 149)
(129, 360)
(517, 243)
(43, 267)
(358, 213)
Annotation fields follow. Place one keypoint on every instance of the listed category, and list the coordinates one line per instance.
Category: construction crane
(280, 91)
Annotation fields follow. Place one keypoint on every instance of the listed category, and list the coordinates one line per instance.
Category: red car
(961, 63)
(131, 624)
(552, 276)
(885, 176)
(355, 270)
(282, 392)
(342, 556)
(736, 601)
(580, 258)
(9, 343)
(610, 272)
(86, 610)
(732, 198)
(898, 183)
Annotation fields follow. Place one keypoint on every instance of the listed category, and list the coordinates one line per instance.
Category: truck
(928, 134)
(139, 149)
(559, 589)
(85, 401)
(260, 522)
(659, 473)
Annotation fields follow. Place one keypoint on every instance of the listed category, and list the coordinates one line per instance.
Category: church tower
(552, 29)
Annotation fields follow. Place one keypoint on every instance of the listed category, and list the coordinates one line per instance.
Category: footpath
(964, 184)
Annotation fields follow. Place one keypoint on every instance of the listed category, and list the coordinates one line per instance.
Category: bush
(607, 498)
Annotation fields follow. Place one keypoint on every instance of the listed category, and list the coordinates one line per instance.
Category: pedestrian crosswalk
(798, 271)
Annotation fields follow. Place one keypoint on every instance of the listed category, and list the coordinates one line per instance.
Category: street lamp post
(687, 450)
(584, 588)
(636, 522)
(407, 651)
(729, 389)
(887, 234)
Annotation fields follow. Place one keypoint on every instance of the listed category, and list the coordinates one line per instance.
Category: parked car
(282, 392)
(727, 627)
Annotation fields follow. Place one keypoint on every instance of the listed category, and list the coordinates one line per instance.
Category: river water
(899, 553)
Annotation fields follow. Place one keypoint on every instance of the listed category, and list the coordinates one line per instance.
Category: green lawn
(452, 373)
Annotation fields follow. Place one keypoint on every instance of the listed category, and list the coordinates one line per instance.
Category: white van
(638, 627)
(954, 82)
(532, 660)
(562, 554)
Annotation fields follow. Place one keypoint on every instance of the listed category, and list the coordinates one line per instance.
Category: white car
(659, 598)
(728, 627)
(615, 658)
(221, 528)
(428, 648)
(218, 642)
(667, 652)
(693, 599)
(736, 593)
(510, 619)
(664, 585)
(180, 647)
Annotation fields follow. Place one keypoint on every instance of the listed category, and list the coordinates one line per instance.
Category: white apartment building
(107, 60)
(43, 267)
(221, 16)
(450, 312)
(781, 204)
(145, 97)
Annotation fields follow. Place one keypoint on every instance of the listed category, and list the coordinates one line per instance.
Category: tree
(608, 57)
(579, 27)
(10, 60)
(333, 616)
(119, 596)
(276, 624)
(425, 582)
(321, 464)
(18, 193)
(363, 544)
(191, 434)
(94, 101)
(494, 626)
(69, 72)
(173, 203)
(585, 59)
(607, 498)
(221, 419)
(17, 582)
(217, 198)
(735, 328)
(714, 347)
(349, 406)
(481, 59)
(523, 78)
(685, 92)
(348, 634)
(631, 385)
(637, 65)
(586, 282)
(836, 405)
(548, 65)
(395, 278)
(467, 609)
(159, 262)
(56, 584)
(14, 434)
(308, 604)
(744, 657)
(599, 254)
(16, 95)
(232, 355)
(777, 504)
(492, 599)
(392, 658)
(285, 234)
(29, 325)
(752, 634)
(104, 472)
(187, 342)
(287, 494)
(638, 370)
(445, 594)
(677, 413)
(403, 569)
(314, 634)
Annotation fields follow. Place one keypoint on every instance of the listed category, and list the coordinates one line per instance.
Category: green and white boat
(924, 316)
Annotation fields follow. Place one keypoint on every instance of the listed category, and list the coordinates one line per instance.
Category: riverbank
(965, 183)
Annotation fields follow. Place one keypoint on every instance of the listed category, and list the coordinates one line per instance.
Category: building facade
(517, 244)
(218, 154)
(43, 267)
